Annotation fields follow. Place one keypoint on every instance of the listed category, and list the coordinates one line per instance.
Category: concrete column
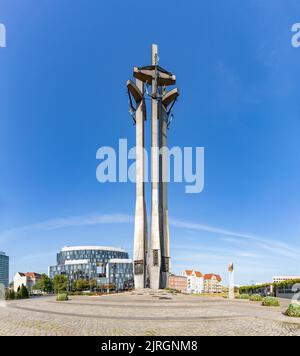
(163, 201)
(140, 226)
(155, 250)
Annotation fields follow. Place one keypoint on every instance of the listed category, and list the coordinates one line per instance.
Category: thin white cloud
(266, 244)
(72, 221)
(270, 245)
(32, 258)
(228, 253)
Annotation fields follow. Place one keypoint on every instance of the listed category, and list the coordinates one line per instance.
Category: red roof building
(212, 283)
(28, 279)
(195, 281)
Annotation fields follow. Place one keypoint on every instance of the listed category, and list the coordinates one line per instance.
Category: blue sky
(62, 96)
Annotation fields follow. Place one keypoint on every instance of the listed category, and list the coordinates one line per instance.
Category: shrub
(244, 296)
(270, 302)
(172, 290)
(237, 296)
(75, 293)
(256, 298)
(10, 294)
(293, 310)
(62, 297)
(22, 292)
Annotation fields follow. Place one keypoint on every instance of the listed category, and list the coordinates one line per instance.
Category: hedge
(293, 310)
(270, 302)
(62, 297)
(252, 289)
(256, 298)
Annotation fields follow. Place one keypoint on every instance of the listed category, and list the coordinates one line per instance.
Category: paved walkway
(146, 313)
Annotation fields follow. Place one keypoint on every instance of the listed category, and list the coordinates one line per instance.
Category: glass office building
(4, 269)
(107, 265)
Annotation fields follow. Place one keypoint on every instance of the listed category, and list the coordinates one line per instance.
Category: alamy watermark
(296, 36)
(296, 297)
(188, 165)
(2, 35)
(2, 296)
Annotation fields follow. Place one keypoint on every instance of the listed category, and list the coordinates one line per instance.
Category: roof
(198, 274)
(97, 248)
(32, 275)
(211, 275)
(189, 272)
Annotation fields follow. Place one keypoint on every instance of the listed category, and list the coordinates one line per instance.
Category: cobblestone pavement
(146, 313)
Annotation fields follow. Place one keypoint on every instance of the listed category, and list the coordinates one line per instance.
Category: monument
(231, 281)
(152, 264)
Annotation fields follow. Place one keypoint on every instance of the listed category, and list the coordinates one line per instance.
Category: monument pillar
(163, 197)
(140, 223)
(155, 236)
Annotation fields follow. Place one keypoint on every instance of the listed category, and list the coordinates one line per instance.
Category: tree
(93, 284)
(80, 285)
(10, 294)
(18, 294)
(24, 292)
(60, 283)
(44, 284)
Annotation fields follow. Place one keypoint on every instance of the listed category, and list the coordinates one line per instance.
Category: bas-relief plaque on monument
(155, 258)
(138, 267)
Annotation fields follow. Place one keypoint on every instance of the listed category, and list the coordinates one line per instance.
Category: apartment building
(178, 282)
(28, 279)
(195, 281)
(212, 283)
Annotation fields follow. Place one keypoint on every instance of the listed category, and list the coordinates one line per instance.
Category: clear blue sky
(62, 96)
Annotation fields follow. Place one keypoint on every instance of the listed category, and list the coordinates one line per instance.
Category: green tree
(60, 283)
(93, 284)
(10, 294)
(81, 285)
(24, 292)
(44, 284)
(18, 294)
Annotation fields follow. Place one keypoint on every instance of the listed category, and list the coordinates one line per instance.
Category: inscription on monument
(155, 258)
(138, 267)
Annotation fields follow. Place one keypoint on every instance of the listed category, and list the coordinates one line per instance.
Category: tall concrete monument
(155, 263)
(140, 228)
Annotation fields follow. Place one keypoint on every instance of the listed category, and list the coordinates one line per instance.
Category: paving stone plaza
(144, 313)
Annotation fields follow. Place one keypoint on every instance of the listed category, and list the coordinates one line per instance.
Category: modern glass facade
(4, 269)
(107, 265)
(120, 273)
